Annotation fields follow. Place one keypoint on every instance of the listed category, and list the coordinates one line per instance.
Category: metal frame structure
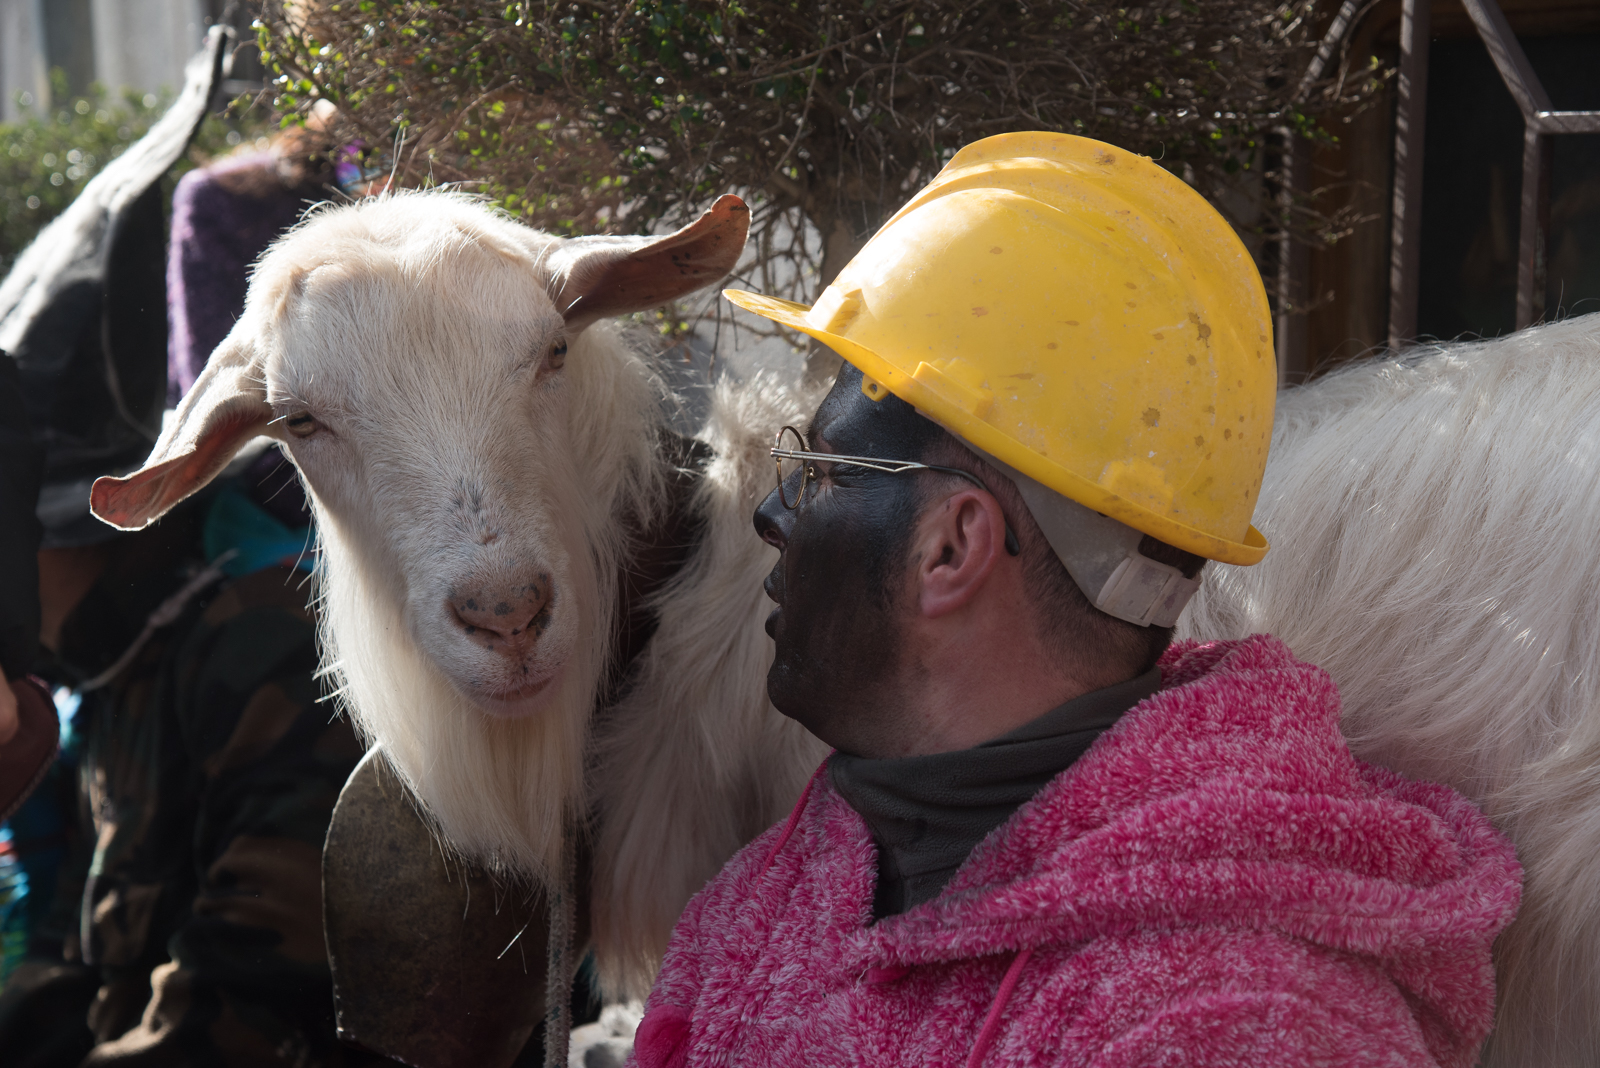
(1540, 124)
(1293, 256)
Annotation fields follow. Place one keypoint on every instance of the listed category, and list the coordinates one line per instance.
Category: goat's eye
(558, 356)
(301, 425)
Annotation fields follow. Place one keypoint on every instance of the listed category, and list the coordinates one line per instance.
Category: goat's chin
(526, 700)
(499, 685)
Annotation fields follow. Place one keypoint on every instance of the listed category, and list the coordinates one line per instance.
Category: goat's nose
(507, 612)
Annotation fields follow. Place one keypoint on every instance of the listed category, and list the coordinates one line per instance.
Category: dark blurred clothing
(186, 927)
(183, 831)
(24, 759)
(21, 465)
(223, 217)
(83, 312)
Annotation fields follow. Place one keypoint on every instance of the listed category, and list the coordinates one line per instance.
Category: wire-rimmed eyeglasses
(790, 454)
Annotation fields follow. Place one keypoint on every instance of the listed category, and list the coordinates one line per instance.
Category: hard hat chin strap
(1102, 556)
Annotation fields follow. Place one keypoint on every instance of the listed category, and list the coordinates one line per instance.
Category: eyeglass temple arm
(873, 463)
(895, 467)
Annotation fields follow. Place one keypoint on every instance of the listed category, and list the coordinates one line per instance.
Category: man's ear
(598, 277)
(958, 546)
(226, 408)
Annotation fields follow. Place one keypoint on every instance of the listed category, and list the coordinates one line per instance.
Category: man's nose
(772, 521)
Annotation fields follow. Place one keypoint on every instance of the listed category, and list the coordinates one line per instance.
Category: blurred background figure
(173, 854)
(27, 721)
(20, 461)
(226, 214)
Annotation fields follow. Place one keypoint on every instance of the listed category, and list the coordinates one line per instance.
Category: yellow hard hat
(1081, 315)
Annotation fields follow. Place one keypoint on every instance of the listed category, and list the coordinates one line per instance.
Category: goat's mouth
(515, 701)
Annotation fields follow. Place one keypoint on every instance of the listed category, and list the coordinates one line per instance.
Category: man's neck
(967, 675)
(949, 699)
(928, 812)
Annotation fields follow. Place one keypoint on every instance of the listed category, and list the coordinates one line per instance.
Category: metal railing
(1540, 124)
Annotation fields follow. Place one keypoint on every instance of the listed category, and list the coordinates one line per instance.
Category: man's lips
(770, 586)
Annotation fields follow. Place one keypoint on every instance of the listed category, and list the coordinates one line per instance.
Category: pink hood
(1216, 878)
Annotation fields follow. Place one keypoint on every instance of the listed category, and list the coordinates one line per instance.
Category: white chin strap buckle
(1103, 558)
(1146, 592)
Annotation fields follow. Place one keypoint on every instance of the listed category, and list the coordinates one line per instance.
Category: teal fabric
(236, 522)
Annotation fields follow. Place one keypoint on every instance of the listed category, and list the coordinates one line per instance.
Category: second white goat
(1435, 522)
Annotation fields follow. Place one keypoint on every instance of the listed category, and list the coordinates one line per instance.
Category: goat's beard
(498, 791)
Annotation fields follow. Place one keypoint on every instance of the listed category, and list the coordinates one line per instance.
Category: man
(1046, 838)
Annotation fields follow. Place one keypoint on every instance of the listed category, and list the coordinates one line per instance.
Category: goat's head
(413, 355)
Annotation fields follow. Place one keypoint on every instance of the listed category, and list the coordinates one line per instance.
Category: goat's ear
(600, 277)
(226, 408)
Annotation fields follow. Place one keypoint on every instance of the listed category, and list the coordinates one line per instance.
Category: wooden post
(1534, 232)
(1405, 232)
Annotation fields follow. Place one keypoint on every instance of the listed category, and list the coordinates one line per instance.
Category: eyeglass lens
(792, 476)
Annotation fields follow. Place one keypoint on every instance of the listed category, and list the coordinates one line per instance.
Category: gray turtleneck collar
(927, 813)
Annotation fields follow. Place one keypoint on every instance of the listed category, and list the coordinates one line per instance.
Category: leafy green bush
(47, 159)
(618, 114)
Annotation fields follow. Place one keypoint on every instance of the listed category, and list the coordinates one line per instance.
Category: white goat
(1435, 523)
(482, 451)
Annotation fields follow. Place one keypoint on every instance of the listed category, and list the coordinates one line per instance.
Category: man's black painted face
(839, 580)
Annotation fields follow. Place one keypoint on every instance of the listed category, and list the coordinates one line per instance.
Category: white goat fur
(695, 761)
(1435, 523)
(404, 324)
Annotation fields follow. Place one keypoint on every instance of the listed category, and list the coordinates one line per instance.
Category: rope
(558, 960)
(991, 1023)
(166, 613)
(794, 818)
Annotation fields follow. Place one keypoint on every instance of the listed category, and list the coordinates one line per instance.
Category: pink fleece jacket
(1216, 882)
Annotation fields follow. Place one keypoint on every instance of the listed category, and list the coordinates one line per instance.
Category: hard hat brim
(934, 396)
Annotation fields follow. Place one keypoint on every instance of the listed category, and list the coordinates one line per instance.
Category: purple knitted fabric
(222, 220)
